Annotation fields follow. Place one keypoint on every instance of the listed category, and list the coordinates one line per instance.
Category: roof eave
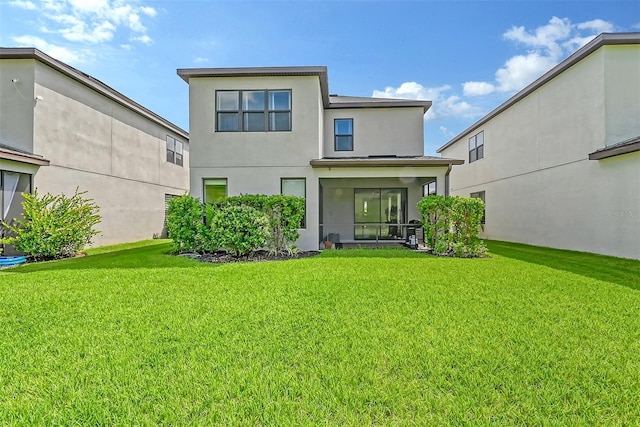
(21, 157)
(326, 163)
(377, 104)
(616, 150)
(320, 71)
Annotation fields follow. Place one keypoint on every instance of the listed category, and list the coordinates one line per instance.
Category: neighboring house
(358, 162)
(61, 129)
(558, 164)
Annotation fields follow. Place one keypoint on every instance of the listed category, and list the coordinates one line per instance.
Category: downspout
(446, 181)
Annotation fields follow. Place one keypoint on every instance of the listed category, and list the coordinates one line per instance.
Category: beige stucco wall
(292, 148)
(108, 150)
(378, 131)
(266, 180)
(17, 103)
(540, 186)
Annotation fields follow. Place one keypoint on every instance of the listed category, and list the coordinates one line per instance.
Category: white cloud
(546, 46)
(58, 52)
(477, 88)
(446, 132)
(444, 104)
(92, 21)
(149, 11)
(597, 25)
(142, 39)
(200, 60)
(23, 4)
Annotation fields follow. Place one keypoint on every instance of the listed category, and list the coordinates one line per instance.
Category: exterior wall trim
(616, 150)
(377, 162)
(17, 156)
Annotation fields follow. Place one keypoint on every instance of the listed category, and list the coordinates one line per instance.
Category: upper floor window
(253, 110)
(476, 147)
(343, 134)
(174, 151)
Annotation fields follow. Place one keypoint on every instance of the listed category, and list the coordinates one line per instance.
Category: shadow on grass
(625, 272)
(373, 253)
(148, 256)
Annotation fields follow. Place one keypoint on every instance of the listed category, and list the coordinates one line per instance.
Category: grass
(128, 335)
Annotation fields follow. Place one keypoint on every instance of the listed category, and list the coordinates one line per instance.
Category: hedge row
(239, 224)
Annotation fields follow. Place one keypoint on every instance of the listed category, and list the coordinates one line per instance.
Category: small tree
(53, 226)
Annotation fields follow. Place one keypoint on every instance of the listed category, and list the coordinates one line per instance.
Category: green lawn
(131, 336)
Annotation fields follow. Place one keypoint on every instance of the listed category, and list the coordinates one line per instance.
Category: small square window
(253, 100)
(215, 189)
(227, 100)
(253, 122)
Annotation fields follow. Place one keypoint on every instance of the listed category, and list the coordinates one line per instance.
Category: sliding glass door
(379, 213)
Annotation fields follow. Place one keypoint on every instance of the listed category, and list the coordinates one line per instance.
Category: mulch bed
(222, 257)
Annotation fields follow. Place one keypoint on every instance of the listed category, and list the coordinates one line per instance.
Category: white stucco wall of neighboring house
(540, 187)
(378, 131)
(97, 145)
(16, 103)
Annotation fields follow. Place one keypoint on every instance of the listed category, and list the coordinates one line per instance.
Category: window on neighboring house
(476, 147)
(174, 151)
(215, 189)
(12, 185)
(295, 187)
(253, 110)
(430, 189)
(343, 134)
(480, 195)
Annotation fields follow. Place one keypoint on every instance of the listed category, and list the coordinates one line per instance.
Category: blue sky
(465, 56)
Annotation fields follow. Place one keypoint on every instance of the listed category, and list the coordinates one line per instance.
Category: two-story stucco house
(558, 164)
(61, 129)
(358, 161)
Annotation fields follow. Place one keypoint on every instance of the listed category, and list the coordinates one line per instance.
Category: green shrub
(435, 213)
(53, 226)
(240, 230)
(285, 214)
(186, 217)
(452, 224)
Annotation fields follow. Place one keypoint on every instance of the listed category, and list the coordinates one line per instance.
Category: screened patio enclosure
(370, 209)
